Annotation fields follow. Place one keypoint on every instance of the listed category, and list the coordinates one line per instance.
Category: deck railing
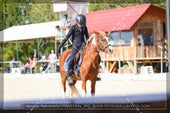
(129, 53)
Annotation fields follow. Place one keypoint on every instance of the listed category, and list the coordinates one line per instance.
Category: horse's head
(103, 42)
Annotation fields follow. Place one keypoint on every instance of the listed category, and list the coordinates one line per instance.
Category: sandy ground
(38, 87)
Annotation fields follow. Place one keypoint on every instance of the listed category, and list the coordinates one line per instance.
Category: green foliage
(96, 5)
(43, 12)
(1, 14)
(127, 1)
(26, 13)
(13, 15)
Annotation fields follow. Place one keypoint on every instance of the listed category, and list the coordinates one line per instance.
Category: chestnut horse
(90, 62)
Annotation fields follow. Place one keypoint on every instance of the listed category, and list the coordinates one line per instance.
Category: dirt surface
(45, 87)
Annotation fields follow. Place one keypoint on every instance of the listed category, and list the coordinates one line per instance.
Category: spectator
(147, 39)
(151, 38)
(140, 38)
(26, 67)
(59, 31)
(44, 63)
(36, 56)
(43, 56)
(12, 61)
(34, 65)
(47, 70)
(31, 61)
(31, 56)
(52, 58)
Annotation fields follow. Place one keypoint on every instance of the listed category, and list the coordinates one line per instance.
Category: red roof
(115, 19)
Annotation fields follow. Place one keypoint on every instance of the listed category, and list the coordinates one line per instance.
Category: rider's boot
(69, 78)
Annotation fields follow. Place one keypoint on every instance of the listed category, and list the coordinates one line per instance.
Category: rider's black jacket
(77, 36)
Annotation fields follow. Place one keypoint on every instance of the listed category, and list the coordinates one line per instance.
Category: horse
(90, 62)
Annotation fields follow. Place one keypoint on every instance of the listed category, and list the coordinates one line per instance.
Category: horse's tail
(74, 90)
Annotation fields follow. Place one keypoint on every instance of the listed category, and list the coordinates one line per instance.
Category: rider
(77, 31)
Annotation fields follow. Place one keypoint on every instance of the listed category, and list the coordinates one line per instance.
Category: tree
(21, 13)
(41, 13)
(14, 14)
(1, 14)
(96, 5)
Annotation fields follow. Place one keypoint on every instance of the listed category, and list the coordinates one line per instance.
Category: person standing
(12, 62)
(52, 58)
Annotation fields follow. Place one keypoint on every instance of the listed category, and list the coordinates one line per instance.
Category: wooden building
(138, 34)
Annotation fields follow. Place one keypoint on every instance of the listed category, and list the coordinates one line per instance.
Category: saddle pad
(67, 62)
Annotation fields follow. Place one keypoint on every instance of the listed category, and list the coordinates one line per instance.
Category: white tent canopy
(31, 31)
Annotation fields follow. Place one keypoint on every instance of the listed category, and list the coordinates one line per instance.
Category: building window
(115, 39)
(145, 36)
(145, 33)
(127, 38)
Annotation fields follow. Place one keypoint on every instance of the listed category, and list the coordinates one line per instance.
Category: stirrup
(70, 80)
(98, 78)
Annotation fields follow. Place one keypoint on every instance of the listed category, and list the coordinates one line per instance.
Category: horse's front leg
(93, 84)
(84, 87)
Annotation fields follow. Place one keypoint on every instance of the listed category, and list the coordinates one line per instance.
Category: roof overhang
(29, 32)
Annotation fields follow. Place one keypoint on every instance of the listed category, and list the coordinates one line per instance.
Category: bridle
(99, 44)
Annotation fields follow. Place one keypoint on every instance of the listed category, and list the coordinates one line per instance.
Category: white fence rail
(51, 65)
(106, 102)
(17, 65)
(12, 64)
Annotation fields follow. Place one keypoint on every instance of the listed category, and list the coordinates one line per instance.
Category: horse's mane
(88, 41)
(91, 37)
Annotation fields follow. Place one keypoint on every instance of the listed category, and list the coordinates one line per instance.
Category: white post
(104, 64)
(55, 46)
(119, 66)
